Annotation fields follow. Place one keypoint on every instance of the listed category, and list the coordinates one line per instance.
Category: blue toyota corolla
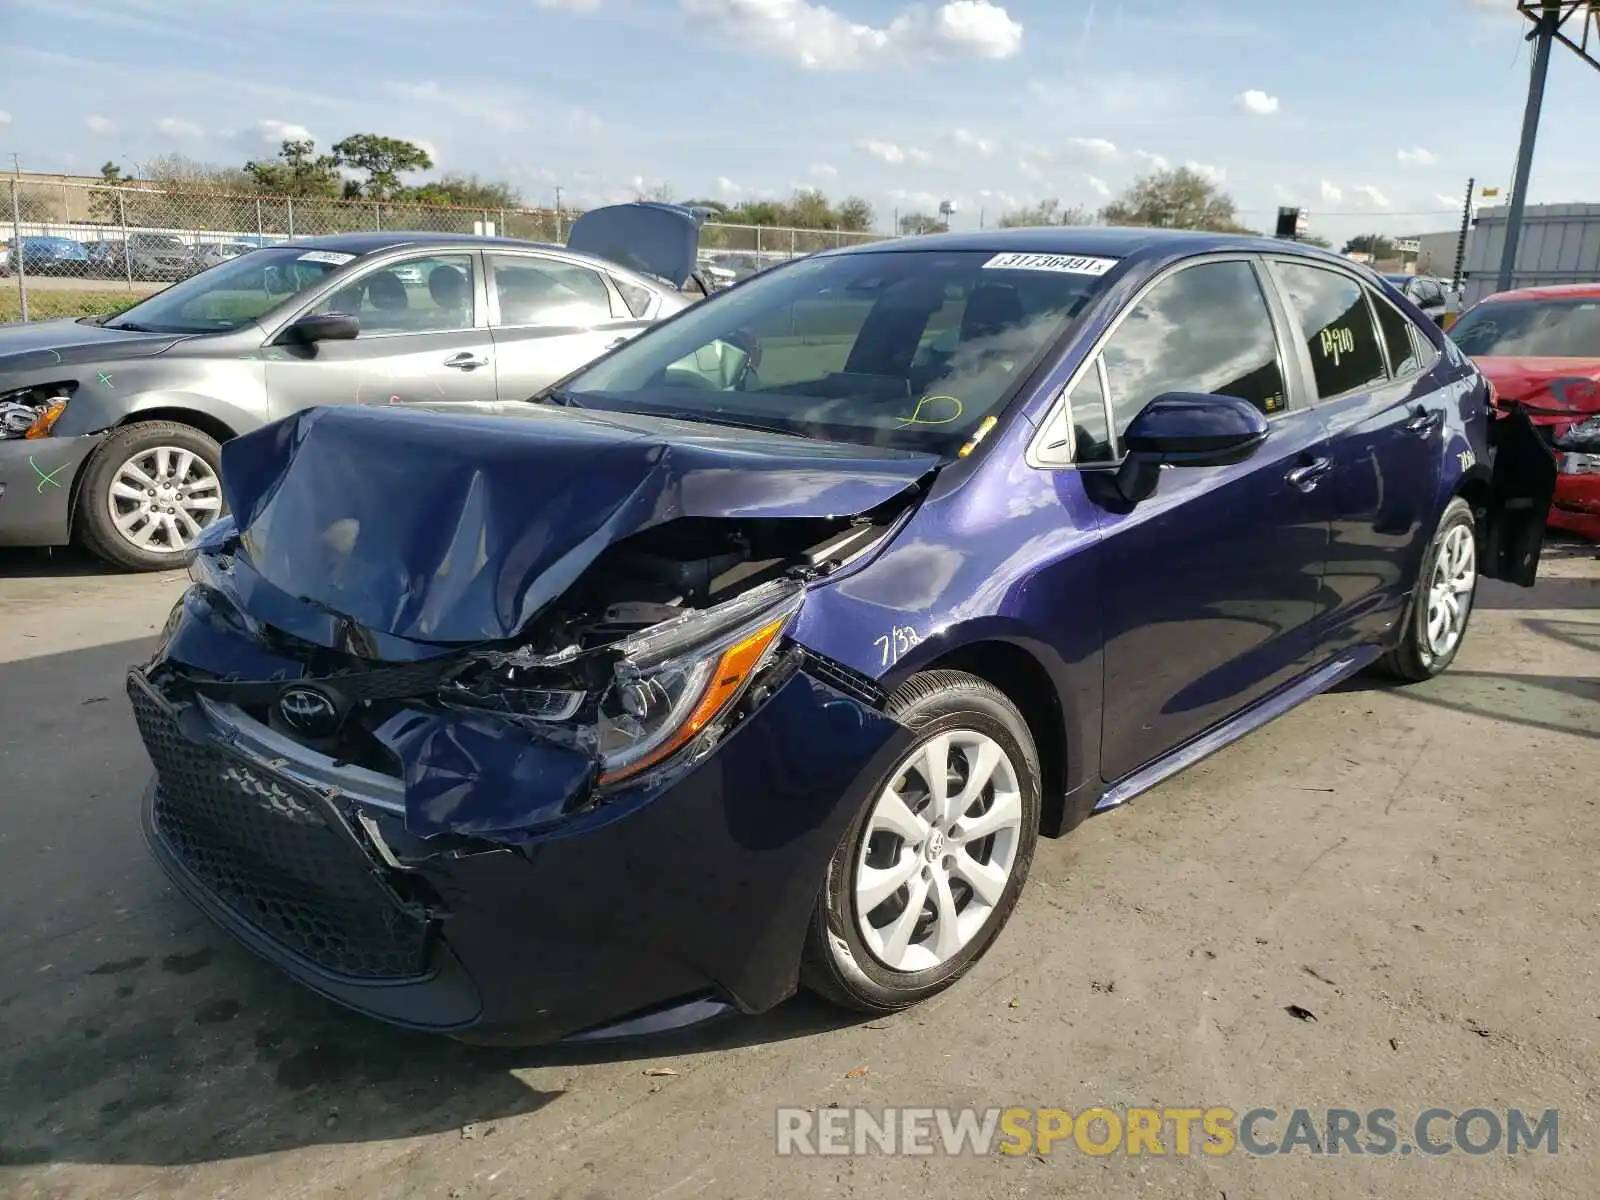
(761, 651)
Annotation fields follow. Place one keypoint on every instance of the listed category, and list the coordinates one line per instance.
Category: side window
(419, 295)
(1091, 433)
(1204, 329)
(1396, 330)
(1336, 323)
(545, 292)
(635, 297)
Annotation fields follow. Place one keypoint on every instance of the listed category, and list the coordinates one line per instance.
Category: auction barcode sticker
(1071, 264)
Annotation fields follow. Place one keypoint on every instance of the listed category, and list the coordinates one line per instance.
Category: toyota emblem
(309, 711)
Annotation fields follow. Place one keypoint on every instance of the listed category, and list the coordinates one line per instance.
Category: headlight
(664, 686)
(1578, 464)
(1584, 431)
(32, 412)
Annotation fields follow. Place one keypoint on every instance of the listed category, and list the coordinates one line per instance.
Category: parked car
(1435, 297)
(762, 649)
(1540, 347)
(48, 256)
(134, 407)
(209, 254)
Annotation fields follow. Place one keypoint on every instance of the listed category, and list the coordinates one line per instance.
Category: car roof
(370, 243)
(1551, 291)
(1115, 241)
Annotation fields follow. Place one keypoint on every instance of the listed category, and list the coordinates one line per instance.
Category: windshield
(1531, 329)
(906, 348)
(234, 293)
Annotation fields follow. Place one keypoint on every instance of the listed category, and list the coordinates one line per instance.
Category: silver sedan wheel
(1455, 575)
(162, 497)
(939, 849)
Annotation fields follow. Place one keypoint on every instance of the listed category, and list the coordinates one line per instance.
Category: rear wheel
(1441, 604)
(931, 868)
(147, 494)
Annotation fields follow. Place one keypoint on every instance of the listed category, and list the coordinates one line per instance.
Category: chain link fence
(73, 249)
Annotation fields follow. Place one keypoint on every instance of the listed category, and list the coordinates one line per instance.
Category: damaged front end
(339, 793)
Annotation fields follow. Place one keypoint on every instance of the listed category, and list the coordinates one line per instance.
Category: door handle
(1424, 420)
(1306, 475)
(466, 361)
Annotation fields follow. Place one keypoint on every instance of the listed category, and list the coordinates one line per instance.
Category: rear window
(1531, 329)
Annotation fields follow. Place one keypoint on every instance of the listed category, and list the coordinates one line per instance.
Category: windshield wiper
(734, 422)
(555, 396)
(130, 326)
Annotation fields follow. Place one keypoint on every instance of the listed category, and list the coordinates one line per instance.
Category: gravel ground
(1413, 867)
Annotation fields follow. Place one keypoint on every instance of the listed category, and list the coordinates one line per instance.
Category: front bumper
(37, 480)
(698, 887)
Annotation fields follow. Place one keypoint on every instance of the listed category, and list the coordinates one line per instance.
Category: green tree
(181, 173)
(298, 170)
(465, 191)
(384, 159)
(1314, 239)
(1180, 198)
(916, 222)
(854, 215)
(1046, 212)
(1374, 244)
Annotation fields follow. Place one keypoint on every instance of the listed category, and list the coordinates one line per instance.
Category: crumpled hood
(39, 345)
(457, 529)
(1554, 391)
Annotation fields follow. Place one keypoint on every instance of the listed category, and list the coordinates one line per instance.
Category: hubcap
(939, 849)
(1455, 575)
(162, 498)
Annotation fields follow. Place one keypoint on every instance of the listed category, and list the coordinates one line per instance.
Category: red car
(1540, 348)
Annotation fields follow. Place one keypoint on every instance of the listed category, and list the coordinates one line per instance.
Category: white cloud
(1154, 161)
(104, 126)
(273, 133)
(1329, 193)
(1373, 196)
(822, 170)
(1099, 186)
(174, 127)
(572, 6)
(5, 117)
(1417, 156)
(727, 187)
(818, 38)
(892, 154)
(971, 141)
(1450, 202)
(1256, 102)
(1095, 147)
(498, 108)
(1207, 172)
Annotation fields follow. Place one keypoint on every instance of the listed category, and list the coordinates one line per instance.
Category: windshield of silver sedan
(905, 348)
(233, 293)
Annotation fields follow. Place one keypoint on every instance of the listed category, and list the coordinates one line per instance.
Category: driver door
(424, 340)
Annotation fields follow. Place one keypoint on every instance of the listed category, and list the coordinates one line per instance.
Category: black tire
(837, 963)
(95, 528)
(1413, 661)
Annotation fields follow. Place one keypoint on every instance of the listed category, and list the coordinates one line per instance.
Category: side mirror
(323, 327)
(1186, 429)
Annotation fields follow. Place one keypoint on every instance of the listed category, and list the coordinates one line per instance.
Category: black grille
(267, 849)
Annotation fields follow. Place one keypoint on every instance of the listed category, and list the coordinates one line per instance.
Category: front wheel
(932, 865)
(1441, 604)
(147, 494)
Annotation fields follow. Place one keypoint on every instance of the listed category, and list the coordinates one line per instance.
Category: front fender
(232, 392)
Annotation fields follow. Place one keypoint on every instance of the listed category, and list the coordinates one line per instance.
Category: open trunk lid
(654, 239)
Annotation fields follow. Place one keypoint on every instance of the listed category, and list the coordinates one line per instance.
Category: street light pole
(1544, 32)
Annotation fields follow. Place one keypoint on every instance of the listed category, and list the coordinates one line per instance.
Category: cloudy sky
(1370, 113)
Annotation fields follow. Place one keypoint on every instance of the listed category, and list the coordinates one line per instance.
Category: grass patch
(43, 305)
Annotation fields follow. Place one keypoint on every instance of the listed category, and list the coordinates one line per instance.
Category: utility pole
(1544, 32)
(558, 212)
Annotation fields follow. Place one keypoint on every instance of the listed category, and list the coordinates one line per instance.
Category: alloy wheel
(939, 848)
(162, 497)
(1455, 575)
